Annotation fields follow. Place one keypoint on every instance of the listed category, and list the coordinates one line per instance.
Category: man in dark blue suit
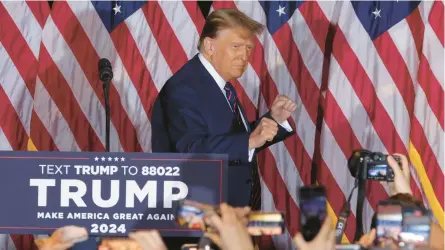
(197, 110)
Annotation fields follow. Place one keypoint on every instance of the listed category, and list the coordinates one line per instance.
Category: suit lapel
(211, 88)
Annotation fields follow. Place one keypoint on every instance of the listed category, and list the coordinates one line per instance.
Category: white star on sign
(116, 159)
(122, 159)
(96, 158)
(110, 159)
(117, 9)
(376, 13)
(103, 158)
(281, 10)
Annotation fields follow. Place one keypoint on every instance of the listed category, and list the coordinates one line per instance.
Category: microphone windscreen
(104, 63)
(105, 71)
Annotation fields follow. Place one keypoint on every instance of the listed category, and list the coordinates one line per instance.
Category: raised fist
(265, 131)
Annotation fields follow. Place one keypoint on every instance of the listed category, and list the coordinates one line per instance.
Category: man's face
(229, 52)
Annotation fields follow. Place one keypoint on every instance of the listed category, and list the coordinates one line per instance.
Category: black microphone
(105, 75)
(105, 71)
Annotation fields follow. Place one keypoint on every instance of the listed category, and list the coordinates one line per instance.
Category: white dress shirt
(221, 84)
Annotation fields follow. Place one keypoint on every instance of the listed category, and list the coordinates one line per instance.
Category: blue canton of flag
(377, 17)
(278, 13)
(114, 13)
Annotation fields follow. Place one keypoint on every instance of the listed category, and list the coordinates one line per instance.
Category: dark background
(203, 5)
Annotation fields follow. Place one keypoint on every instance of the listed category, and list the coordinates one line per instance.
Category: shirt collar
(218, 79)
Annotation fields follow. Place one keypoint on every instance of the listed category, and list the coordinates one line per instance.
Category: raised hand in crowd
(231, 232)
(241, 214)
(119, 244)
(325, 238)
(401, 184)
(148, 240)
(141, 240)
(367, 240)
(63, 238)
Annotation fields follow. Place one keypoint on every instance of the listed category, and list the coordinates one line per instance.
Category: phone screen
(190, 214)
(263, 223)
(189, 247)
(312, 210)
(348, 247)
(415, 227)
(388, 225)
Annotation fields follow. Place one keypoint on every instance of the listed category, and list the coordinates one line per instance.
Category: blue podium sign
(107, 193)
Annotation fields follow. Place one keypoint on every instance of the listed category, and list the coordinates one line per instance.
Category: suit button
(248, 181)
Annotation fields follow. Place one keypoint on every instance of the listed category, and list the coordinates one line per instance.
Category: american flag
(364, 75)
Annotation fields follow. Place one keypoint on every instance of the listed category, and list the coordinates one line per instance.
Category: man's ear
(209, 46)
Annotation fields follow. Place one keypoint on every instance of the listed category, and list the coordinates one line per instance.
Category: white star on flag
(281, 10)
(376, 13)
(117, 9)
(96, 158)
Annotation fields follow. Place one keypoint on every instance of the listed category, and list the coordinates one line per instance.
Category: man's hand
(367, 240)
(119, 244)
(265, 131)
(241, 214)
(148, 240)
(231, 233)
(282, 108)
(63, 238)
(401, 182)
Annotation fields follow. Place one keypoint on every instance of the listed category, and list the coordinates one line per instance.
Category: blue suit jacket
(191, 115)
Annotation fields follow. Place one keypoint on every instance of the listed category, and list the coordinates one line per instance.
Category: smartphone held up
(402, 225)
(312, 210)
(194, 215)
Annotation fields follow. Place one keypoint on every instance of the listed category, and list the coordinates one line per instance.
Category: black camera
(372, 165)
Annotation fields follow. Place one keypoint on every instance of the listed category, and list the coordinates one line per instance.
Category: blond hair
(227, 19)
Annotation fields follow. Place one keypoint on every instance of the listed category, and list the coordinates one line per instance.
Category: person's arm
(188, 130)
(284, 131)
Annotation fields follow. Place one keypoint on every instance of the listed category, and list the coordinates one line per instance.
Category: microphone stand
(106, 86)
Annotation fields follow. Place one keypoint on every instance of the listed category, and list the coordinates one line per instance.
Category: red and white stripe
(20, 38)
(427, 129)
(383, 95)
(141, 61)
(68, 100)
(370, 97)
